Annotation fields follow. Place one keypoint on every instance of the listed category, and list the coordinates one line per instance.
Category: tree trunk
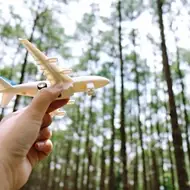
(170, 151)
(103, 166)
(83, 173)
(111, 184)
(103, 157)
(159, 136)
(156, 183)
(95, 169)
(67, 165)
(145, 186)
(80, 122)
(176, 132)
(136, 168)
(161, 154)
(155, 165)
(53, 185)
(184, 104)
(23, 69)
(88, 146)
(122, 106)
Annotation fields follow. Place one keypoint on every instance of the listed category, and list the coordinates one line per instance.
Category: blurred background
(134, 133)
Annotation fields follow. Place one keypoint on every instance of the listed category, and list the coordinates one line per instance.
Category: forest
(132, 134)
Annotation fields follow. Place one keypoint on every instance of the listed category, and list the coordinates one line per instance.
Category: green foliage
(133, 8)
(88, 21)
(5, 72)
(10, 31)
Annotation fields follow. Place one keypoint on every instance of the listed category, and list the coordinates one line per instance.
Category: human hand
(24, 138)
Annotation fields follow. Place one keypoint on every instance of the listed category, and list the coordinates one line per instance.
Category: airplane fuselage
(79, 84)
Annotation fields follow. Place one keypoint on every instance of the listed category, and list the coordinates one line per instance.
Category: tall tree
(184, 100)
(122, 103)
(88, 145)
(112, 150)
(176, 132)
(137, 81)
(36, 18)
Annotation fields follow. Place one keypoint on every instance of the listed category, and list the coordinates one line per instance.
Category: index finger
(43, 99)
(56, 104)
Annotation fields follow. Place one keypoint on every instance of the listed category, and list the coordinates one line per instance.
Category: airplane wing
(53, 73)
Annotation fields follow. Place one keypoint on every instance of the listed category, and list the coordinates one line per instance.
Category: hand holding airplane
(54, 75)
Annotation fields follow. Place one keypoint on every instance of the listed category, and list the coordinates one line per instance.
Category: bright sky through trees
(134, 133)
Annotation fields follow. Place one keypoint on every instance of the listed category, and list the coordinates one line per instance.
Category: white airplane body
(54, 75)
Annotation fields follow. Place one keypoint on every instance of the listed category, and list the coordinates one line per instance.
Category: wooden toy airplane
(54, 75)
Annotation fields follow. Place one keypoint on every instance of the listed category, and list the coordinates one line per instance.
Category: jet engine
(41, 85)
(90, 89)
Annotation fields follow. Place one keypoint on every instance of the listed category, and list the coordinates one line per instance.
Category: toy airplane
(54, 75)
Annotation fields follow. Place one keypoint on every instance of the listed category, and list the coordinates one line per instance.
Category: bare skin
(25, 138)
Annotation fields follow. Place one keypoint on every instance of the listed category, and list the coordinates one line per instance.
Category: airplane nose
(98, 81)
(104, 81)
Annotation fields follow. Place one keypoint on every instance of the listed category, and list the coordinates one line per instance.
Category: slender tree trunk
(170, 151)
(176, 132)
(171, 161)
(88, 146)
(82, 184)
(103, 166)
(53, 185)
(80, 121)
(103, 157)
(155, 165)
(111, 184)
(23, 69)
(134, 146)
(122, 106)
(159, 136)
(184, 104)
(145, 186)
(95, 176)
(46, 185)
(161, 154)
(136, 168)
(67, 165)
(156, 184)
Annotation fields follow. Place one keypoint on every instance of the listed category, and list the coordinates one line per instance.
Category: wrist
(6, 178)
(13, 173)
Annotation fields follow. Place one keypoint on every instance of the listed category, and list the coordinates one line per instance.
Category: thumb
(43, 99)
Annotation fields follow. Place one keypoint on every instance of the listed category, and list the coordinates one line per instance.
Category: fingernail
(40, 145)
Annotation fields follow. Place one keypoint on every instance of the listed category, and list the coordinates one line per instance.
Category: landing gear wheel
(41, 85)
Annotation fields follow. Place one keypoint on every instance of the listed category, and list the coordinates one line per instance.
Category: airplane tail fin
(6, 98)
(4, 84)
